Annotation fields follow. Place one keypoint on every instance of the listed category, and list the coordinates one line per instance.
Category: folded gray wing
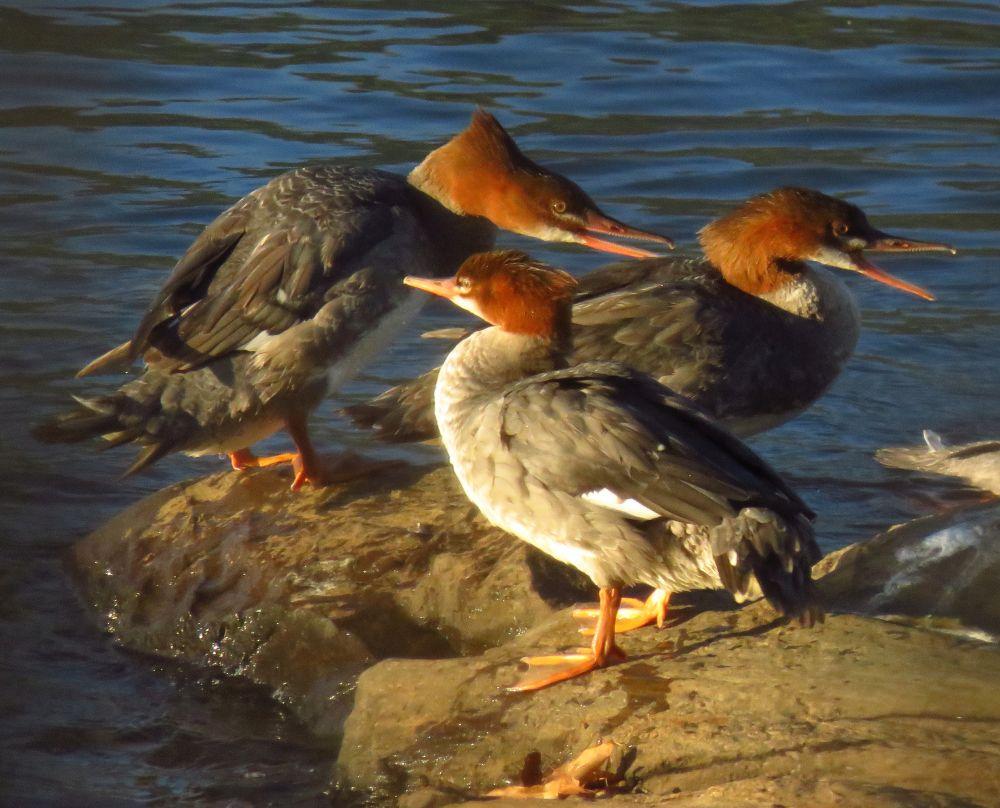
(191, 276)
(671, 322)
(270, 262)
(625, 275)
(601, 426)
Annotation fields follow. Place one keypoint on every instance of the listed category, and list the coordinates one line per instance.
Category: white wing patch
(259, 342)
(610, 500)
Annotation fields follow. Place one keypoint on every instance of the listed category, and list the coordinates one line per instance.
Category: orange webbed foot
(633, 614)
(304, 473)
(570, 666)
(602, 651)
(347, 467)
(245, 459)
(242, 459)
(310, 473)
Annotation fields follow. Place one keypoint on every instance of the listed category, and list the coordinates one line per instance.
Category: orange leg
(242, 459)
(305, 462)
(308, 468)
(602, 650)
(633, 613)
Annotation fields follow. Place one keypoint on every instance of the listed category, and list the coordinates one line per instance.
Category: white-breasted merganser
(602, 467)
(284, 296)
(977, 463)
(751, 332)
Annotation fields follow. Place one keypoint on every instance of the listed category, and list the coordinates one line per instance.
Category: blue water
(126, 126)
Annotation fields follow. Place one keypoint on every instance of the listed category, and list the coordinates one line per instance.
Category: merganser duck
(602, 467)
(287, 293)
(977, 463)
(751, 333)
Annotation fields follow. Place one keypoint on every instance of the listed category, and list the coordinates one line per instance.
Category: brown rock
(301, 591)
(398, 581)
(739, 711)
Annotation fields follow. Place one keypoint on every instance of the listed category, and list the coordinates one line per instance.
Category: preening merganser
(751, 332)
(602, 467)
(285, 295)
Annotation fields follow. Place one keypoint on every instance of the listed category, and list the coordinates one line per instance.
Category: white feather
(259, 342)
(608, 499)
(933, 440)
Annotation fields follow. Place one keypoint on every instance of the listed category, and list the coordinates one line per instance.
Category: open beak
(868, 269)
(883, 242)
(606, 226)
(442, 287)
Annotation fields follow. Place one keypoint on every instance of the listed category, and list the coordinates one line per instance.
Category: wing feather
(271, 261)
(603, 426)
(193, 272)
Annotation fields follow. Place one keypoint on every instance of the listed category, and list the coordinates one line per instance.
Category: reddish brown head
(482, 172)
(760, 246)
(510, 290)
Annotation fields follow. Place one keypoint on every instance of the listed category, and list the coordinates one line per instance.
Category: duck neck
(827, 315)
(755, 272)
(815, 293)
(493, 359)
(748, 254)
(485, 364)
(455, 237)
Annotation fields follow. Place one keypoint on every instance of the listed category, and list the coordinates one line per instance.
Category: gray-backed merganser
(978, 463)
(751, 332)
(602, 467)
(285, 295)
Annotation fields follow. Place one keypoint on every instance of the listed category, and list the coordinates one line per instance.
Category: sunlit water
(127, 125)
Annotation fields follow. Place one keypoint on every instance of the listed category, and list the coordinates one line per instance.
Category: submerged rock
(390, 613)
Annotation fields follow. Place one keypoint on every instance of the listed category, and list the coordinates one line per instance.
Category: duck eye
(558, 206)
(841, 228)
(463, 285)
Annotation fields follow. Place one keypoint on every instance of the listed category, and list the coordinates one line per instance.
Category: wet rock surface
(943, 566)
(302, 591)
(387, 611)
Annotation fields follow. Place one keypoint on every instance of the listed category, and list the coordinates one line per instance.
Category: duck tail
(402, 414)
(778, 556)
(117, 358)
(121, 417)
